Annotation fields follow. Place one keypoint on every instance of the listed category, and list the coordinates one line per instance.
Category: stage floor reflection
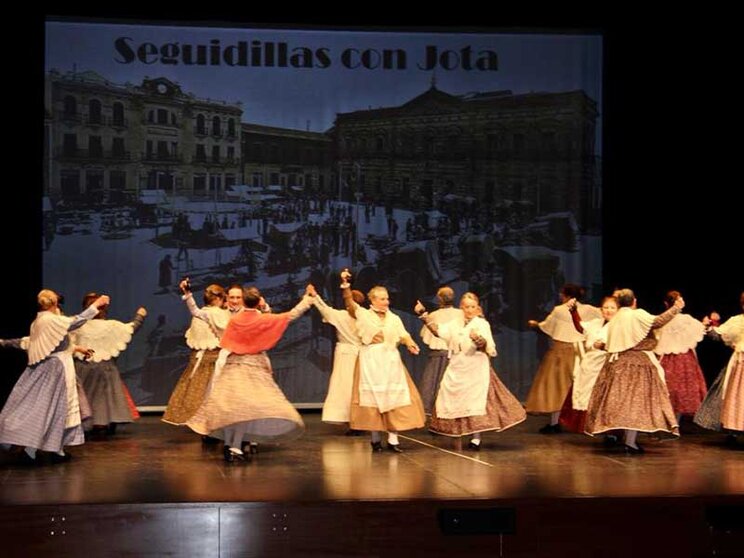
(152, 462)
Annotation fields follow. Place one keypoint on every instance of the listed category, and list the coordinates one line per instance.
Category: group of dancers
(228, 392)
(610, 371)
(71, 388)
(619, 370)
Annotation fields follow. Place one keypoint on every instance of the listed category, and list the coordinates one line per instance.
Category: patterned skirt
(685, 382)
(718, 412)
(104, 389)
(245, 396)
(732, 409)
(502, 411)
(629, 394)
(191, 389)
(709, 414)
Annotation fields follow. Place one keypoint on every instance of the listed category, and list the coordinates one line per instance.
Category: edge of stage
(155, 489)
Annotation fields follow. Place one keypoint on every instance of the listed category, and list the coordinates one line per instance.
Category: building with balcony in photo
(105, 142)
(507, 156)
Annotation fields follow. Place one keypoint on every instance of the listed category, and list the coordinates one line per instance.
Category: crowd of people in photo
(614, 371)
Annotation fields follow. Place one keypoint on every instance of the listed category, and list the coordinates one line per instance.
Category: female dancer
(203, 338)
(438, 357)
(573, 414)
(556, 370)
(337, 405)
(676, 351)
(471, 399)
(630, 392)
(43, 411)
(723, 407)
(244, 402)
(97, 371)
(384, 397)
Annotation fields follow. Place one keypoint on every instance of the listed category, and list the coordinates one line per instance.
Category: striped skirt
(35, 413)
(244, 396)
(104, 389)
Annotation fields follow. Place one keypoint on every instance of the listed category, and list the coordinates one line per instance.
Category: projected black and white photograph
(277, 158)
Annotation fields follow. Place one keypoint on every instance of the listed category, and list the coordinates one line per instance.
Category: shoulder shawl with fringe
(47, 331)
(107, 338)
(206, 334)
(560, 327)
(679, 335)
(732, 332)
(628, 328)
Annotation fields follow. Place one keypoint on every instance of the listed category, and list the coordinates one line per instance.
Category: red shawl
(249, 333)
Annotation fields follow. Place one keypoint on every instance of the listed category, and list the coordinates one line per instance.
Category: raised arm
(328, 313)
(349, 303)
(188, 298)
(665, 317)
(89, 313)
(139, 318)
(303, 306)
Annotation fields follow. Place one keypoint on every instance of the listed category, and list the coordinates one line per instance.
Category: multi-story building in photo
(105, 142)
(287, 159)
(504, 154)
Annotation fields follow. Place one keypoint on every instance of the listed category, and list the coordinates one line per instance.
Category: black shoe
(209, 440)
(550, 429)
(228, 455)
(376, 446)
(474, 447)
(395, 448)
(111, 429)
(97, 433)
(730, 440)
(232, 457)
(610, 440)
(630, 450)
(55, 458)
(25, 460)
(51, 458)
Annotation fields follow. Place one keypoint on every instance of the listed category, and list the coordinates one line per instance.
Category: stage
(154, 489)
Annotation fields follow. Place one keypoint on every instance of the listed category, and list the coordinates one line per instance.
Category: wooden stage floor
(523, 494)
